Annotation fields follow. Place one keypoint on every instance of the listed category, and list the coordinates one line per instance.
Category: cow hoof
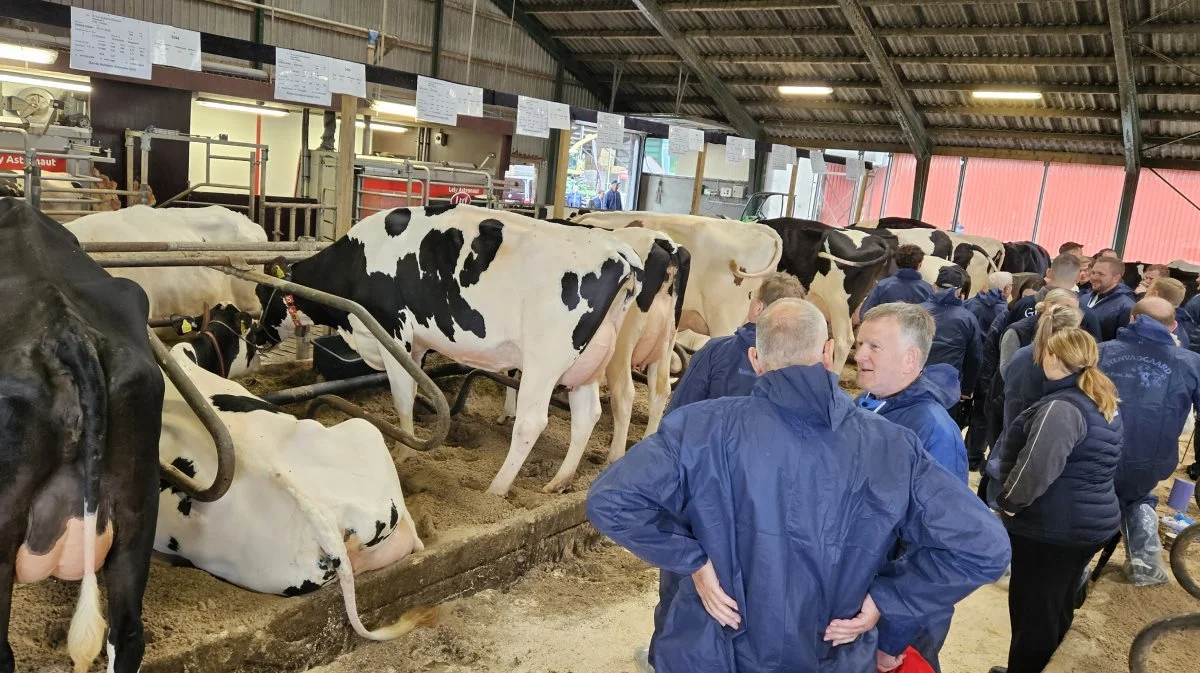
(558, 485)
(501, 420)
(495, 490)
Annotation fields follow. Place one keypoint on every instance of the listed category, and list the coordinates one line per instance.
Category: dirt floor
(443, 489)
(585, 613)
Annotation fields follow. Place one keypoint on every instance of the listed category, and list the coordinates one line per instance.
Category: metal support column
(1131, 126)
(1037, 219)
(920, 183)
(962, 179)
(435, 57)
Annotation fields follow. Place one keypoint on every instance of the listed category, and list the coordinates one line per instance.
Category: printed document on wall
(302, 77)
(176, 47)
(610, 130)
(347, 77)
(559, 115)
(110, 44)
(436, 101)
(532, 118)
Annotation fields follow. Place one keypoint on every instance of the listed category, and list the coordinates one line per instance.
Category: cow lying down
(308, 503)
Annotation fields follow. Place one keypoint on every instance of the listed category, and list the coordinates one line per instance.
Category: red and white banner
(372, 203)
(11, 161)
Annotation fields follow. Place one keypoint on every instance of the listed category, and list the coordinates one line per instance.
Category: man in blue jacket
(722, 366)
(894, 342)
(1159, 386)
(986, 306)
(612, 198)
(1063, 273)
(1110, 297)
(957, 339)
(1186, 330)
(905, 285)
(781, 509)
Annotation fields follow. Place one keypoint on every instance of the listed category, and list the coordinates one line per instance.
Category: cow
(1184, 272)
(837, 266)
(80, 394)
(946, 245)
(893, 223)
(181, 290)
(302, 509)
(728, 260)
(647, 337)
(489, 289)
(1025, 257)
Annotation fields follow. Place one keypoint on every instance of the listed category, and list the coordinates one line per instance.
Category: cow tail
(85, 418)
(329, 538)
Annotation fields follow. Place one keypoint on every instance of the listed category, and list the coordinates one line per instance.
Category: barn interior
(1045, 122)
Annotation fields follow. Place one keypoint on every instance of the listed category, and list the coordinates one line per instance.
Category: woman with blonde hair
(1021, 332)
(1058, 500)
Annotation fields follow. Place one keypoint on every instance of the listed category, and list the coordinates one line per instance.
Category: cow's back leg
(620, 387)
(533, 401)
(585, 411)
(132, 467)
(12, 531)
(404, 388)
(658, 380)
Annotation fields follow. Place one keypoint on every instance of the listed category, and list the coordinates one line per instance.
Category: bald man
(731, 493)
(1159, 386)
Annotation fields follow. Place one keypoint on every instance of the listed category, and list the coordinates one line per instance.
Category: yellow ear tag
(186, 326)
(279, 272)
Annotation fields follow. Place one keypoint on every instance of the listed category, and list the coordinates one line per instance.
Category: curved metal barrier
(1139, 652)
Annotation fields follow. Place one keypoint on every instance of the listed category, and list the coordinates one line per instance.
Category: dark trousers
(1041, 599)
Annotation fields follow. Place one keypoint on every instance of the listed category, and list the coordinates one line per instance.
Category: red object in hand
(913, 663)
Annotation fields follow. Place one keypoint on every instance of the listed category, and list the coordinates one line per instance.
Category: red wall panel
(838, 197)
(1000, 198)
(1165, 227)
(941, 192)
(902, 174)
(1081, 205)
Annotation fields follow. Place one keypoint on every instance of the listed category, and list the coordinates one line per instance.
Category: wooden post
(791, 199)
(345, 167)
(560, 173)
(698, 185)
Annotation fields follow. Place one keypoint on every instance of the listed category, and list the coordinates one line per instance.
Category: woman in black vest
(1058, 500)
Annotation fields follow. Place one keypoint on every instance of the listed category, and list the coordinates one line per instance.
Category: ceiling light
(798, 90)
(1008, 95)
(66, 85)
(398, 109)
(19, 52)
(237, 107)
(386, 128)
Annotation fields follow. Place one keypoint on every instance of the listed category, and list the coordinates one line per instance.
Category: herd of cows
(572, 303)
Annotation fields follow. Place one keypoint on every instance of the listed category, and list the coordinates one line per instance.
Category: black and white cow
(647, 335)
(80, 395)
(1184, 272)
(975, 259)
(303, 509)
(219, 340)
(838, 267)
(489, 289)
(1025, 257)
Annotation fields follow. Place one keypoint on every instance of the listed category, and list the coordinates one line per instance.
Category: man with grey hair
(894, 342)
(722, 367)
(730, 493)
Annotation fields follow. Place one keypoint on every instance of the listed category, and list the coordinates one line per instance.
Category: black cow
(837, 266)
(1025, 257)
(80, 416)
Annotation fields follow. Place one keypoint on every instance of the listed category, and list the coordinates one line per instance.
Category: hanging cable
(508, 44)
(471, 39)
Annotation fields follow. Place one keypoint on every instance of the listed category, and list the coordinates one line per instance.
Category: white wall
(715, 165)
(280, 134)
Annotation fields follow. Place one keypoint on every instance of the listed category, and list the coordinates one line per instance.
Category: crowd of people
(798, 529)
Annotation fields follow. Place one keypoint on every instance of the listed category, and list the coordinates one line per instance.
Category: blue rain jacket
(798, 498)
(921, 407)
(956, 340)
(986, 306)
(721, 368)
(1025, 307)
(1188, 330)
(1111, 309)
(905, 285)
(1159, 385)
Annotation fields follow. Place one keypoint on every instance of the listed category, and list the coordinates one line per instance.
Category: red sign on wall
(369, 204)
(11, 161)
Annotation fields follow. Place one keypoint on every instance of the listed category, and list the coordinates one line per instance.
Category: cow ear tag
(185, 327)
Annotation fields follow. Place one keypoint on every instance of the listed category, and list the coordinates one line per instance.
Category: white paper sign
(610, 130)
(111, 44)
(854, 168)
(782, 156)
(559, 115)
(738, 149)
(817, 159)
(176, 47)
(682, 140)
(301, 77)
(532, 117)
(470, 100)
(347, 77)
(436, 101)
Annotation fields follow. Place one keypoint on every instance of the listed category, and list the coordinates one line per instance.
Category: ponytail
(1097, 386)
(1055, 318)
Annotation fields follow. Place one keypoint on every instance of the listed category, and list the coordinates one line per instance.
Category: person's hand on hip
(716, 602)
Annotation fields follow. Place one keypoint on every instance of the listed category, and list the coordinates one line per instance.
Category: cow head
(220, 341)
(280, 319)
